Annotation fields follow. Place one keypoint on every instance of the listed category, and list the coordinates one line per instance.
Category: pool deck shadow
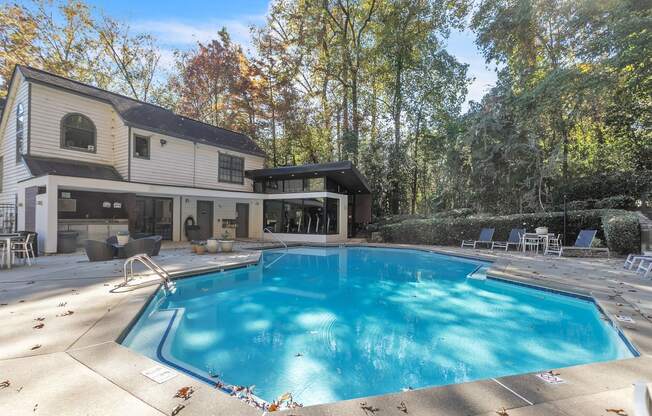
(72, 365)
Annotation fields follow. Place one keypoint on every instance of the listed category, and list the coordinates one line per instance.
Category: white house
(79, 158)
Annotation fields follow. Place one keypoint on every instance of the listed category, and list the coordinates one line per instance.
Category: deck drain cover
(159, 374)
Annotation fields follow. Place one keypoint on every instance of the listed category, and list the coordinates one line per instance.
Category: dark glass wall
(301, 216)
(278, 186)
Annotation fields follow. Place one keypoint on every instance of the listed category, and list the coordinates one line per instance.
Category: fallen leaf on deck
(35, 407)
(185, 393)
(619, 412)
(40, 319)
(177, 409)
(38, 326)
(5, 384)
(368, 409)
(69, 312)
(21, 301)
(402, 407)
(35, 347)
(62, 304)
(502, 412)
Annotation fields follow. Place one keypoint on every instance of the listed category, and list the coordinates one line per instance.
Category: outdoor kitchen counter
(94, 228)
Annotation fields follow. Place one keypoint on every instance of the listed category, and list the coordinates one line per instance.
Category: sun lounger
(632, 259)
(514, 239)
(584, 241)
(642, 399)
(486, 237)
(645, 267)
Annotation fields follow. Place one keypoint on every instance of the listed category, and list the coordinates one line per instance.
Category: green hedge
(612, 202)
(618, 228)
(622, 231)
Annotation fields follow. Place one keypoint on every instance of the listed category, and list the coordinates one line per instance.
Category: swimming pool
(329, 324)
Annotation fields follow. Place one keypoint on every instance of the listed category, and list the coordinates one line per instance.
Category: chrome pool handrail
(147, 261)
(268, 230)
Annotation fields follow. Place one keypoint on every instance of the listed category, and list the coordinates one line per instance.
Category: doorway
(205, 219)
(242, 220)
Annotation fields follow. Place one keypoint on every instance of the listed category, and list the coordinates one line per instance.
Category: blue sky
(180, 25)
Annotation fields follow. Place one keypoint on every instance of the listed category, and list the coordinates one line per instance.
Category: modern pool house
(78, 158)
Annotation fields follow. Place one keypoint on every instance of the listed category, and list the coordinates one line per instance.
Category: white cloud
(180, 34)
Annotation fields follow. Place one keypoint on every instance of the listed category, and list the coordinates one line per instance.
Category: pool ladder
(147, 261)
(267, 230)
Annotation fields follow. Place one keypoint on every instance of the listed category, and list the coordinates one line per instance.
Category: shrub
(451, 231)
(612, 202)
(622, 231)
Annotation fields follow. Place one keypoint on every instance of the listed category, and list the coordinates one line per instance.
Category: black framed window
(20, 130)
(78, 133)
(141, 147)
(301, 216)
(231, 169)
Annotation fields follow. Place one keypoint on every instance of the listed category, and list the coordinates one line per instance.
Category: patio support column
(176, 218)
(47, 217)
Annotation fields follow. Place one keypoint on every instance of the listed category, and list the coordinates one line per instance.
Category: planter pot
(226, 246)
(201, 249)
(122, 239)
(212, 245)
(541, 230)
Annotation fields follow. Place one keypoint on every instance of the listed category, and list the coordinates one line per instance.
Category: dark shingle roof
(151, 117)
(343, 172)
(40, 166)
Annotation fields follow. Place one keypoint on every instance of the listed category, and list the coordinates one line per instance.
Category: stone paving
(73, 366)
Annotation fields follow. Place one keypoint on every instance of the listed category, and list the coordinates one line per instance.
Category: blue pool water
(329, 324)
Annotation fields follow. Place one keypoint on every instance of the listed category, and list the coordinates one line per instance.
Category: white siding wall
(13, 173)
(181, 162)
(50, 105)
(121, 149)
(171, 164)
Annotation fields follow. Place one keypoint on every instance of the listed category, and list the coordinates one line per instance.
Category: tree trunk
(398, 102)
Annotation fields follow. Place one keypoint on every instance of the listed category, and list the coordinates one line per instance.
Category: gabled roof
(40, 166)
(344, 173)
(150, 117)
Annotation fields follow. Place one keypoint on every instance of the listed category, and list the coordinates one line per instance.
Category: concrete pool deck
(73, 366)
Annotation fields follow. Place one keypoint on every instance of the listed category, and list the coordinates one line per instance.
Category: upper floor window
(231, 169)
(78, 133)
(141, 147)
(20, 130)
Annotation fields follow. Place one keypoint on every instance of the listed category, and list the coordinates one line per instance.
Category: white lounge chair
(642, 399)
(584, 241)
(514, 239)
(486, 237)
(645, 267)
(632, 259)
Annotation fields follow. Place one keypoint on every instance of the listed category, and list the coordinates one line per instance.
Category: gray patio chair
(140, 246)
(583, 242)
(514, 239)
(157, 243)
(486, 237)
(98, 250)
(112, 240)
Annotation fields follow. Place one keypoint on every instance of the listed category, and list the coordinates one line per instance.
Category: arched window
(78, 133)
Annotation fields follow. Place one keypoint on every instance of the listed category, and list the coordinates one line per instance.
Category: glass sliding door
(152, 216)
(273, 215)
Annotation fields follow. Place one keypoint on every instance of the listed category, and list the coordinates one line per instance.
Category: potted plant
(123, 237)
(226, 243)
(212, 245)
(200, 248)
(541, 230)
